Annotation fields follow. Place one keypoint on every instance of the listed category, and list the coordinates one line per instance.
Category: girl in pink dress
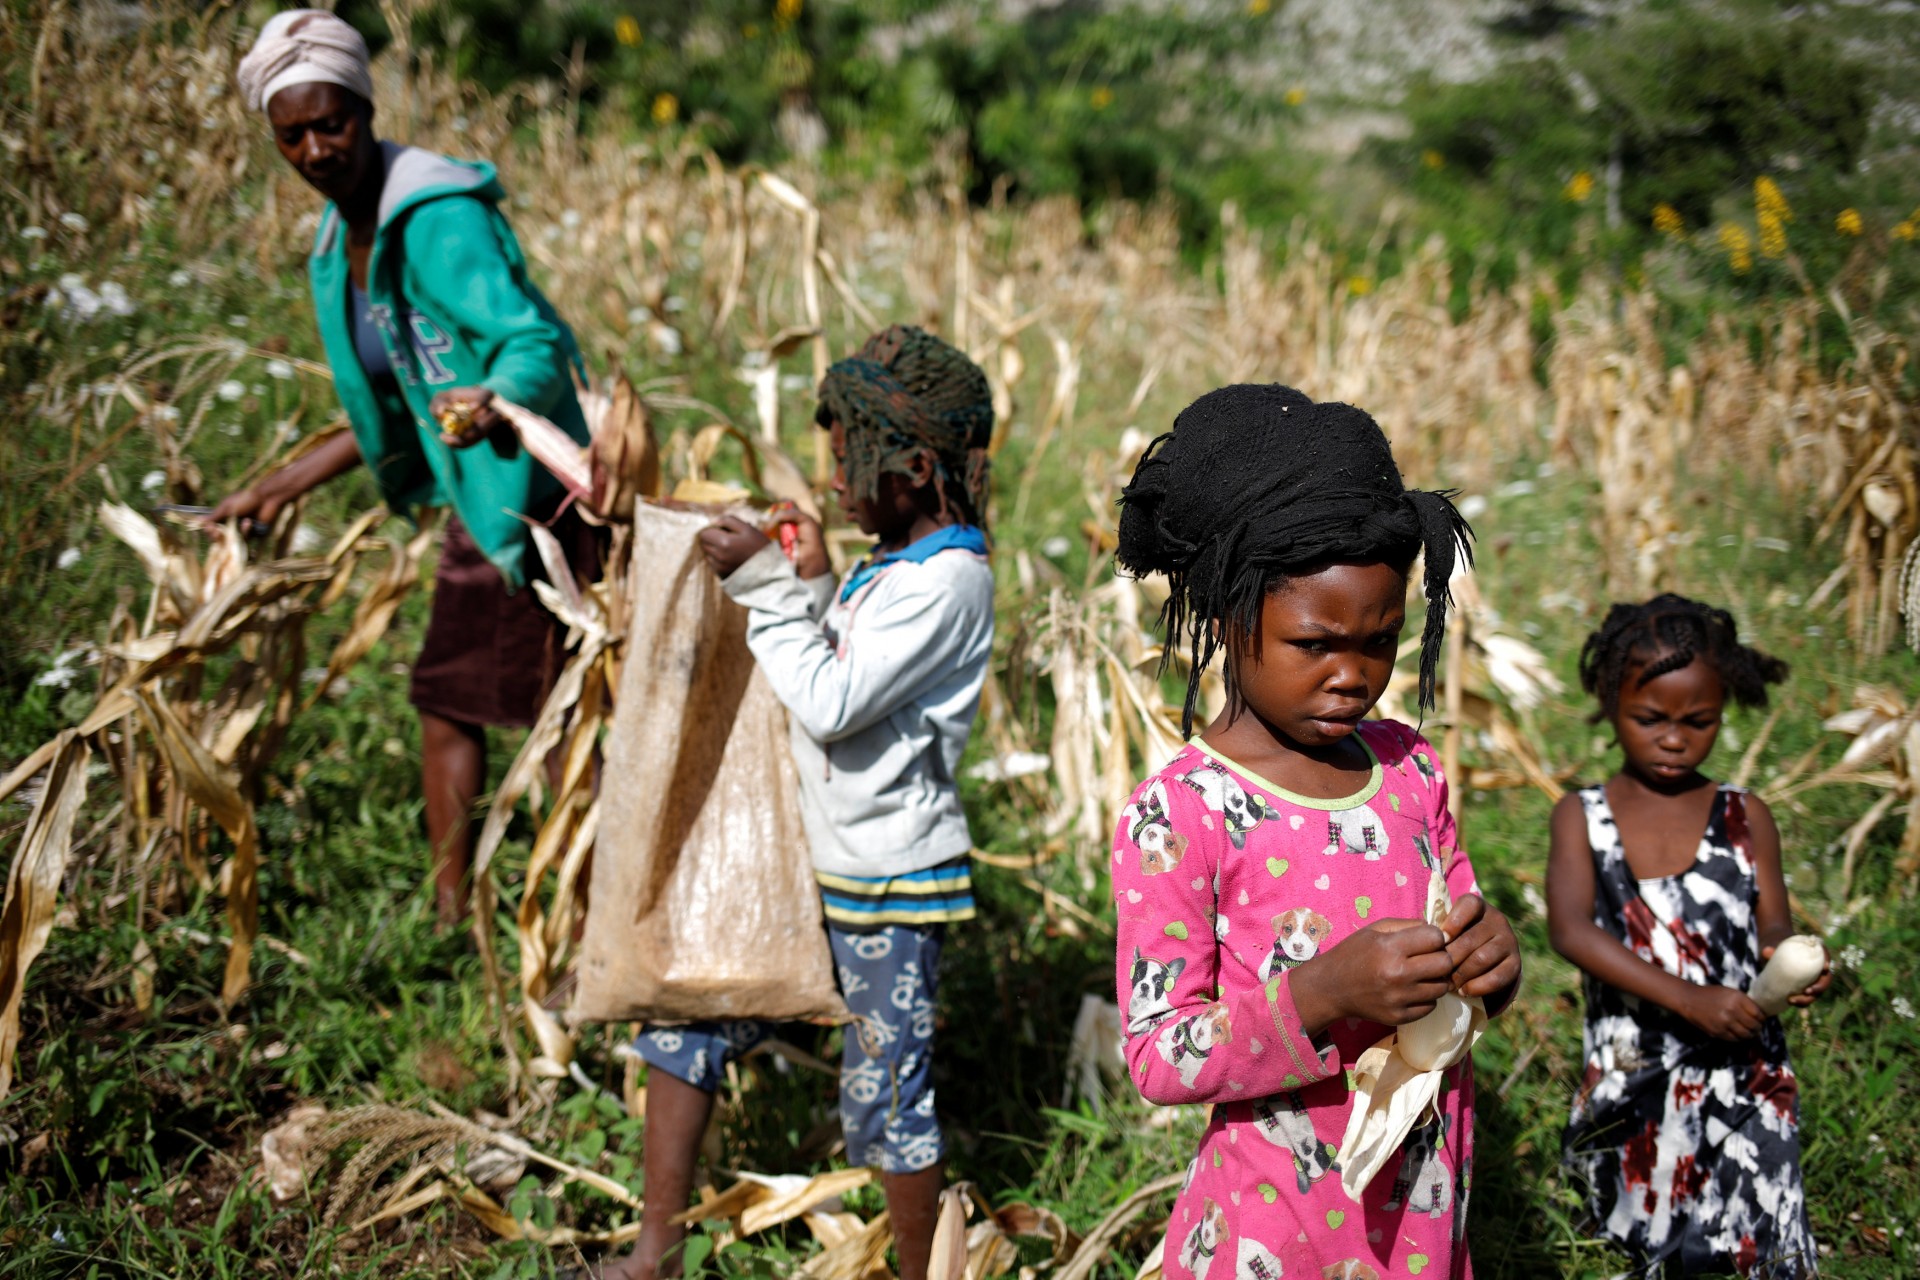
(1270, 882)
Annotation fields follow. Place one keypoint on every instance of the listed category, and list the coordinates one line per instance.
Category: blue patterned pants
(887, 978)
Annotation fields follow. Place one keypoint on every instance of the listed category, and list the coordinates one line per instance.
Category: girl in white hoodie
(881, 676)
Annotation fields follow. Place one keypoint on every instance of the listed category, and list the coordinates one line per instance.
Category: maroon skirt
(491, 657)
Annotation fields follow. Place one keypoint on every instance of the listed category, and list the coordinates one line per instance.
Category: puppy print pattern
(1425, 1185)
(1222, 893)
(1284, 1122)
(1161, 848)
(1297, 935)
(1152, 996)
(1356, 830)
(1351, 1269)
(1254, 1261)
(1240, 809)
(1204, 1241)
(1194, 1040)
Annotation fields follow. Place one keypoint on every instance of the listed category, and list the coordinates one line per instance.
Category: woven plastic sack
(704, 903)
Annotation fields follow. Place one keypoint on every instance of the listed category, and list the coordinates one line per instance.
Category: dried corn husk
(1396, 1081)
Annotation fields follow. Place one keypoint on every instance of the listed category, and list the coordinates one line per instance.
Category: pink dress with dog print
(1222, 884)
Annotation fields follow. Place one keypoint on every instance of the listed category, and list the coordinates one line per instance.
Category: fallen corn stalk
(182, 750)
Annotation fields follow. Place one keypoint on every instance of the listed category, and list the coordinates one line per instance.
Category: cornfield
(665, 256)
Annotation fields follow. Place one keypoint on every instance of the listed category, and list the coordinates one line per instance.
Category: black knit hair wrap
(1258, 483)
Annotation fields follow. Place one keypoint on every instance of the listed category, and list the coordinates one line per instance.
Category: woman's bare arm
(262, 500)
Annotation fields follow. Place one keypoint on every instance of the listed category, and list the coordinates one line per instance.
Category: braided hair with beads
(1256, 484)
(1646, 641)
(906, 393)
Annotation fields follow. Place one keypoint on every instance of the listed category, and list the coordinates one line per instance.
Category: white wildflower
(33, 233)
(230, 390)
(113, 297)
(570, 218)
(1473, 506)
(164, 191)
(1544, 470)
(675, 303)
(1903, 1007)
(1853, 956)
(238, 321)
(181, 278)
(461, 124)
(642, 315)
(1056, 547)
(68, 558)
(279, 369)
(1535, 903)
(667, 340)
(152, 481)
(166, 412)
(73, 222)
(1518, 489)
(65, 668)
(795, 382)
(307, 539)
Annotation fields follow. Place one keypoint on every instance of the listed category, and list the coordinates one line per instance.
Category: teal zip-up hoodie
(454, 308)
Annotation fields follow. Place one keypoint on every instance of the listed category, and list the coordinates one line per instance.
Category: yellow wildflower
(1296, 96)
(626, 31)
(1259, 8)
(1773, 235)
(1433, 159)
(786, 11)
(1849, 223)
(1739, 247)
(1579, 187)
(1102, 98)
(1359, 286)
(1908, 229)
(1667, 220)
(666, 109)
(1767, 200)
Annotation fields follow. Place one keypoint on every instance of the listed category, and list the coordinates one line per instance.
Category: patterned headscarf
(905, 392)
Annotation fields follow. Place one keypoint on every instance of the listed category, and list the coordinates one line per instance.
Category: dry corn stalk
(455, 1159)
(178, 749)
(1884, 753)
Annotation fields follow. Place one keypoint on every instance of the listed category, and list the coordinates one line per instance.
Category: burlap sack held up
(703, 903)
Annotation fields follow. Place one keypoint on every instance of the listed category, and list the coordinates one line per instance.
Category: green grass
(150, 1127)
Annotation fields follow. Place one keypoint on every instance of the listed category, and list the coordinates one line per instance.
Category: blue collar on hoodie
(953, 537)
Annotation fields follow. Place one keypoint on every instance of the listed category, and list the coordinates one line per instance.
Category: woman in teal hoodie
(427, 315)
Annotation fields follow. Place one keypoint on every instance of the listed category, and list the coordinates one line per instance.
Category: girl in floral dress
(1665, 887)
(1270, 882)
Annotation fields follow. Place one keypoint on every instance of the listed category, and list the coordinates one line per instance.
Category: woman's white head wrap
(304, 46)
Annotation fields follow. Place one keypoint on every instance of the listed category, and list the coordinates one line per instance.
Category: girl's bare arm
(1773, 915)
(1719, 1011)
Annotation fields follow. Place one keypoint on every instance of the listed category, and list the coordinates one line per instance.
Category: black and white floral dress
(1689, 1145)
